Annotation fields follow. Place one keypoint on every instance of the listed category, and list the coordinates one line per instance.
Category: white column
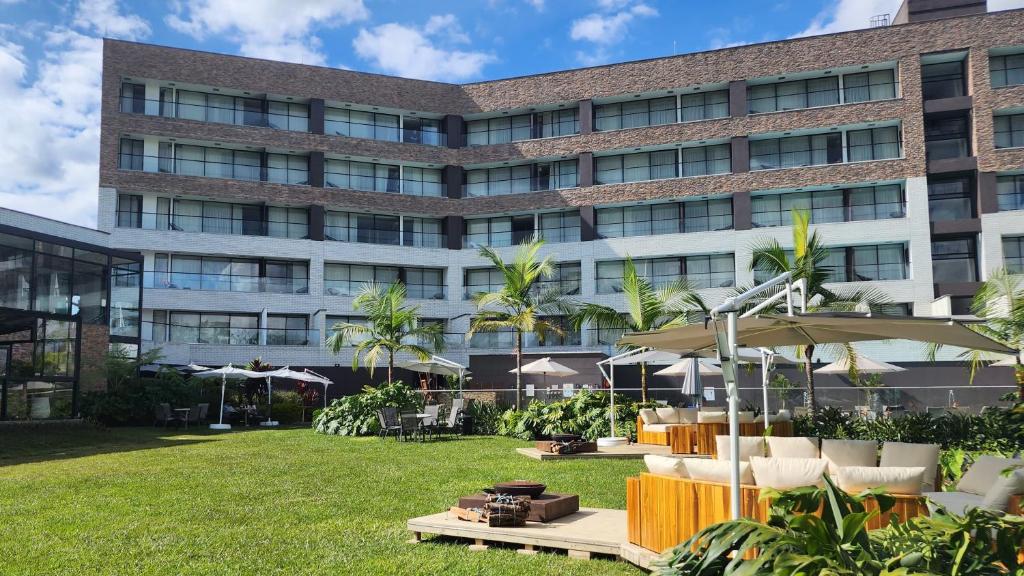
(919, 249)
(151, 150)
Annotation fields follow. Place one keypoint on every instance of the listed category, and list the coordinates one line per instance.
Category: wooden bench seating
(664, 511)
(706, 433)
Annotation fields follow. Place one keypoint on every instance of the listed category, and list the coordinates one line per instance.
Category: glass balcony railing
(354, 287)
(157, 333)
(211, 225)
(224, 282)
(218, 114)
(942, 209)
(252, 172)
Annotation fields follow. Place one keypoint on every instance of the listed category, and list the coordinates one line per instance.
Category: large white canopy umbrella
(692, 369)
(545, 366)
(226, 372)
(1008, 361)
(304, 376)
(439, 366)
(864, 365)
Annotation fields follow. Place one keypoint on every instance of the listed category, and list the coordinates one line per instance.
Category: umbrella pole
(765, 370)
(223, 385)
(611, 393)
(734, 417)
(325, 394)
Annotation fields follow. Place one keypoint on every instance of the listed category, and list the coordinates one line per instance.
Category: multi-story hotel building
(263, 195)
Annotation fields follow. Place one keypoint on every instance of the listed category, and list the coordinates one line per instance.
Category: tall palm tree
(522, 304)
(1000, 302)
(391, 327)
(647, 308)
(807, 262)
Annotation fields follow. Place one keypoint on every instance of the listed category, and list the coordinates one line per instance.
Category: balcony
(224, 282)
(251, 170)
(211, 225)
(238, 116)
(414, 291)
(164, 333)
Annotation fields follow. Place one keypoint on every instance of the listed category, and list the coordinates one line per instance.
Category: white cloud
(271, 29)
(610, 23)
(538, 5)
(104, 18)
(49, 154)
(996, 5)
(413, 52)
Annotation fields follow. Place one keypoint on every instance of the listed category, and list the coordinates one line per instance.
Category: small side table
(184, 412)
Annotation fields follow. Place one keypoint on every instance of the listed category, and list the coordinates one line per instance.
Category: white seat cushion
(745, 417)
(712, 408)
(795, 447)
(904, 454)
(656, 427)
(711, 417)
(716, 470)
(985, 471)
(665, 466)
(954, 502)
(856, 479)
(667, 415)
(649, 416)
(779, 417)
(687, 415)
(998, 496)
(841, 453)
(788, 473)
(749, 446)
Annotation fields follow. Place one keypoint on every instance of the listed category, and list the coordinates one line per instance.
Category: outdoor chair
(430, 424)
(936, 411)
(198, 413)
(389, 424)
(409, 424)
(163, 414)
(453, 423)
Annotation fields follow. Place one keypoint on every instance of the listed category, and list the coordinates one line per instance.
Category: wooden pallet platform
(589, 531)
(627, 452)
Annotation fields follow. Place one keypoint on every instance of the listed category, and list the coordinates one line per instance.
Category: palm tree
(522, 304)
(648, 308)
(807, 263)
(1000, 302)
(391, 327)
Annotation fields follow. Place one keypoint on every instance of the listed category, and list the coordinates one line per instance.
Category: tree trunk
(643, 382)
(1018, 373)
(391, 365)
(519, 369)
(811, 402)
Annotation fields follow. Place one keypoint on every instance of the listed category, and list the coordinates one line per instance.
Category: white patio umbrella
(545, 366)
(691, 369)
(226, 372)
(1008, 361)
(864, 365)
(439, 366)
(305, 376)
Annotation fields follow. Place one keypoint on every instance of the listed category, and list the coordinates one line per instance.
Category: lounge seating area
(421, 425)
(693, 430)
(678, 497)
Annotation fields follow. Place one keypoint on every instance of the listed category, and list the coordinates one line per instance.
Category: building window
(426, 131)
(288, 169)
(1013, 254)
(211, 328)
(421, 181)
(954, 261)
(707, 215)
(707, 160)
(704, 106)
(947, 138)
(129, 211)
(825, 206)
(1010, 192)
(288, 116)
(133, 98)
(287, 222)
(352, 339)
(559, 226)
(873, 144)
(499, 231)
(793, 95)
(1009, 130)
(943, 80)
(365, 176)
(1007, 70)
(506, 338)
(131, 154)
(422, 232)
(562, 122)
(481, 281)
(216, 162)
(635, 167)
(361, 124)
(351, 279)
(635, 114)
(868, 86)
(950, 199)
(362, 228)
(710, 271)
(795, 151)
(288, 330)
(424, 283)
(643, 220)
(882, 262)
(520, 179)
(565, 280)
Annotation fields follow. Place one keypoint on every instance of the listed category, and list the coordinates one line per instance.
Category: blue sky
(50, 55)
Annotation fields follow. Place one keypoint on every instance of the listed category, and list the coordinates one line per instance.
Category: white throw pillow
(788, 473)
(716, 470)
(711, 417)
(795, 447)
(998, 496)
(649, 416)
(840, 453)
(749, 446)
(895, 480)
(665, 466)
(687, 415)
(667, 415)
(984, 473)
(712, 408)
(904, 454)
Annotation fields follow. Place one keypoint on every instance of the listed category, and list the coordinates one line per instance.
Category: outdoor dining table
(184, 412)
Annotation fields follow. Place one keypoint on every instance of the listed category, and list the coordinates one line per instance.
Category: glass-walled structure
(63, 305)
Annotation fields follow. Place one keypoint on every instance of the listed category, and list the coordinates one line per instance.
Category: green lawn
(149, 501)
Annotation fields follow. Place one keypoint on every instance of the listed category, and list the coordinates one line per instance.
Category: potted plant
(781, 387)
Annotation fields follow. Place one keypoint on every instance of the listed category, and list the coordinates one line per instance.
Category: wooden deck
(589, 531)
(627, 452)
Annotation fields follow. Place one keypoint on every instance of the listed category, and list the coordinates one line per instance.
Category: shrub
(131, 399)
(486, 417)
(585, 414)
(356, 415)
(287, 408)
